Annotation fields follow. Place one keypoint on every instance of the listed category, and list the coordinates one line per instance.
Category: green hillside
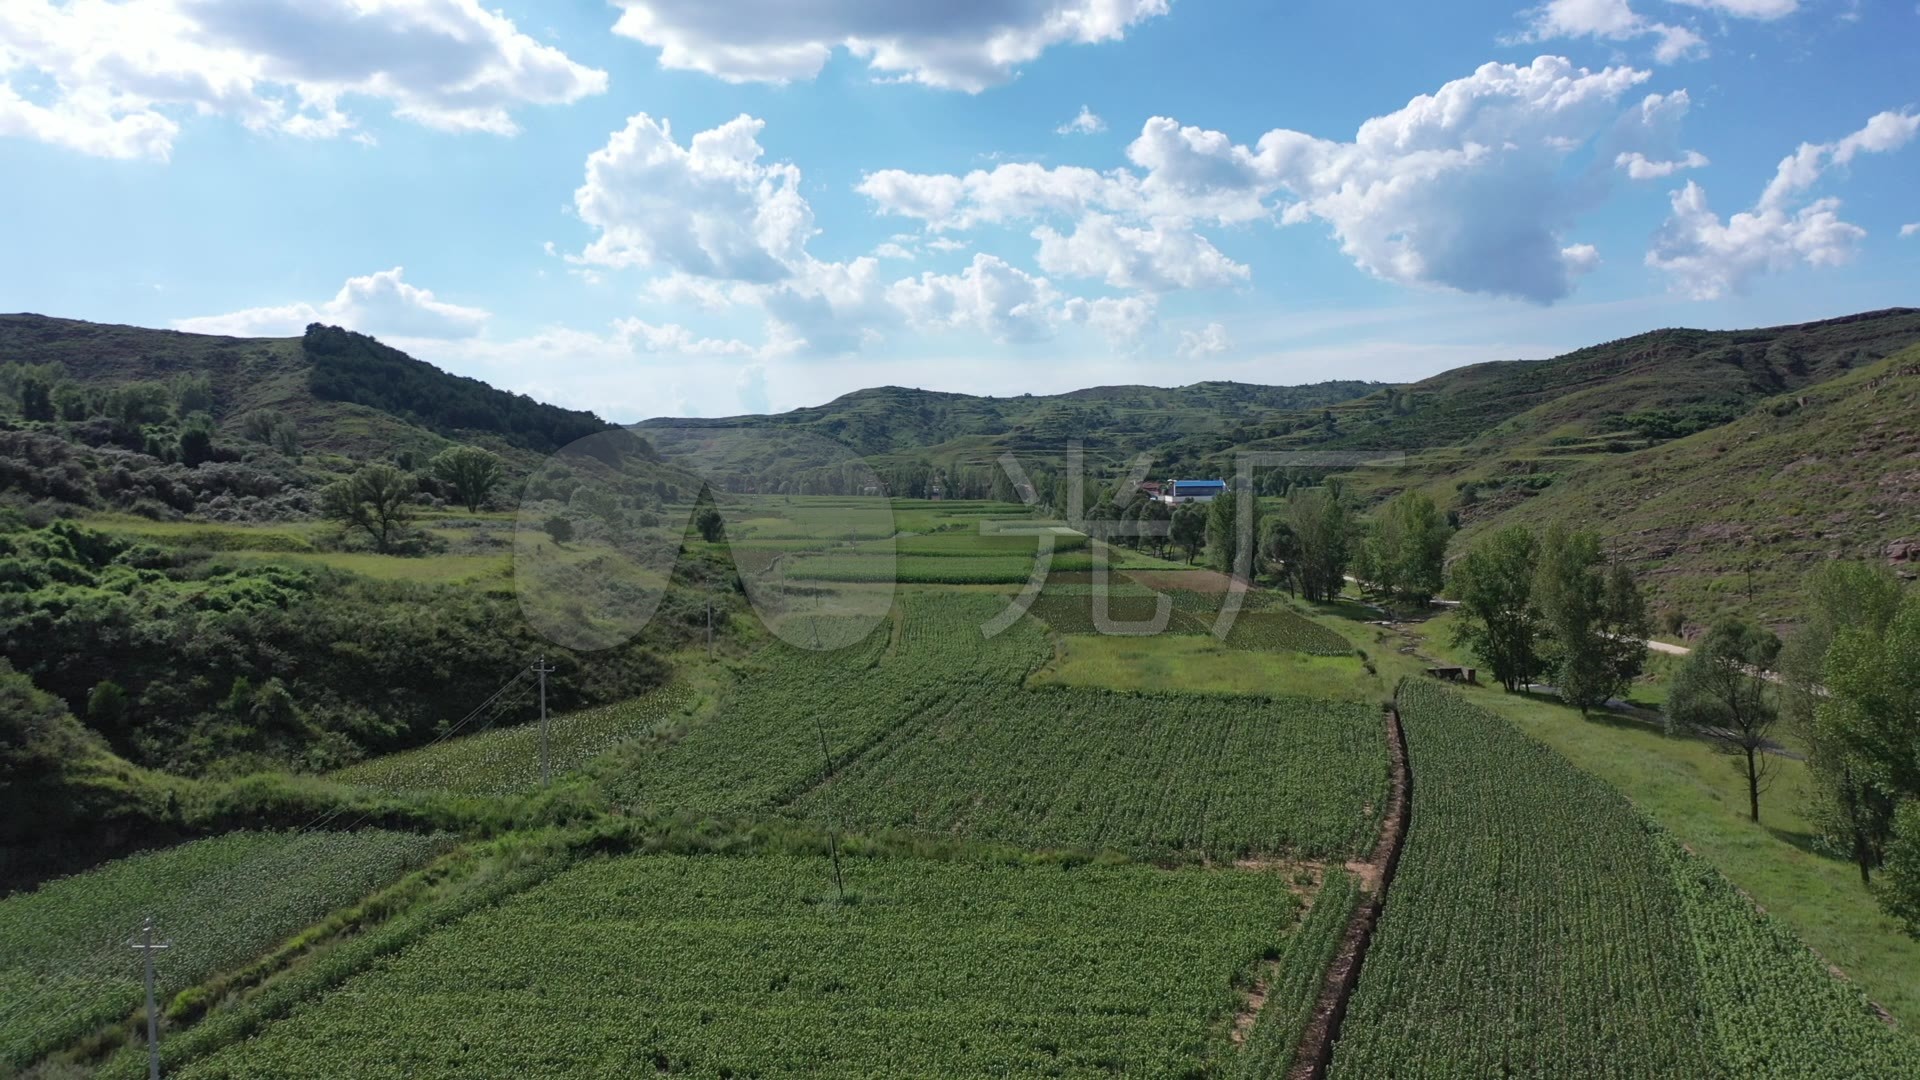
(1734, 516)
(892, 426)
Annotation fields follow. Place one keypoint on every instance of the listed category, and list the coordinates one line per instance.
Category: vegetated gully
(1315, 1051)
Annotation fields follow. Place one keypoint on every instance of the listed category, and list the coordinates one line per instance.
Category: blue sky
(660, 207)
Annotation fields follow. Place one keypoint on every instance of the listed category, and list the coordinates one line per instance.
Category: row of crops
(64, 960)
(1539, 926)
(939, 735)
(1262, 624)
(1294, 985)
(748, 966)
(925, 569)
(504, 760)
(1143, 774)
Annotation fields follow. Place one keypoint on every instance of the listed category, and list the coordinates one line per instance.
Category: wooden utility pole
(147, 945)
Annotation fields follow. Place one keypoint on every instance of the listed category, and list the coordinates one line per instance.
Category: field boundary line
(1314, 1053)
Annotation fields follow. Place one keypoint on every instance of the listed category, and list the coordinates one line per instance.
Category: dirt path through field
(1315, 1051)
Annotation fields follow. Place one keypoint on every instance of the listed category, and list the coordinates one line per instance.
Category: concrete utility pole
(833, 837)
(546, 770)
(146, 945)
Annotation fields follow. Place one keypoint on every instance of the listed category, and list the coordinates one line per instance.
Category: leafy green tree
(1409, 548)
(1854, 817)
(139, 403)
(108, 706)
(1190, 529)
(1322, 529)
(36, 396)
(1280, 551)
(1900, 888)
(712, 527)
(1156, 519)
(375, 500)
(1868, 722)
(1223, 533)
(559, 528)
(1498, 618)
(470, 472)
(1625, 627)
(196, 445)
(70, 400)
(1571, 595)
(191, 394)
(1719, 693)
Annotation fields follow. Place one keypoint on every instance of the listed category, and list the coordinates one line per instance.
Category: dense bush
(243, 665)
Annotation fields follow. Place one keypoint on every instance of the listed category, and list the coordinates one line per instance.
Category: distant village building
(1149, 489)
(1175, 492)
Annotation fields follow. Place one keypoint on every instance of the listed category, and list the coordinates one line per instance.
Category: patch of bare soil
(1196, 580)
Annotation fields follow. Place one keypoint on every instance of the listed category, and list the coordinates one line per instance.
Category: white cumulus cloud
(1087, 122)
(952, 45)
(1911, 228)
(1210, 340)
(1468, 188)
(709, 209)
(1641, 167)
(1610, 20)
(1000, 300)
(382, 304)
(1162, 256)
(1707, 257)
(114, 79)
(1124, 321)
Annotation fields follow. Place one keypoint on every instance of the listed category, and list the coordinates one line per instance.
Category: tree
(1409, 548)
(559, 528)
(1223, 533)
(1869, 719)
(70, 400)
(1900, 892)
(36, 397)
(374, 500)
(1156, 523)
(1854, 817)
(1624, 629)
(191, 394)
(1318, 517)
(471, 473)
(196, 444)
(713, 528)
(1280, 550)
(1190, 529)
(1003, 487)
(1499, 621)
(1571, 595)
(1720, 694)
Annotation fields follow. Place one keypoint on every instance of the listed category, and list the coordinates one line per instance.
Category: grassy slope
(1695, 792)
(1831, 471)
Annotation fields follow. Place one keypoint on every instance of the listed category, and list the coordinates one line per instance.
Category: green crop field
(63, 948)
(746, 966)
(1538, 926)
(1143, 774)
(928, 569)
(507, 759)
